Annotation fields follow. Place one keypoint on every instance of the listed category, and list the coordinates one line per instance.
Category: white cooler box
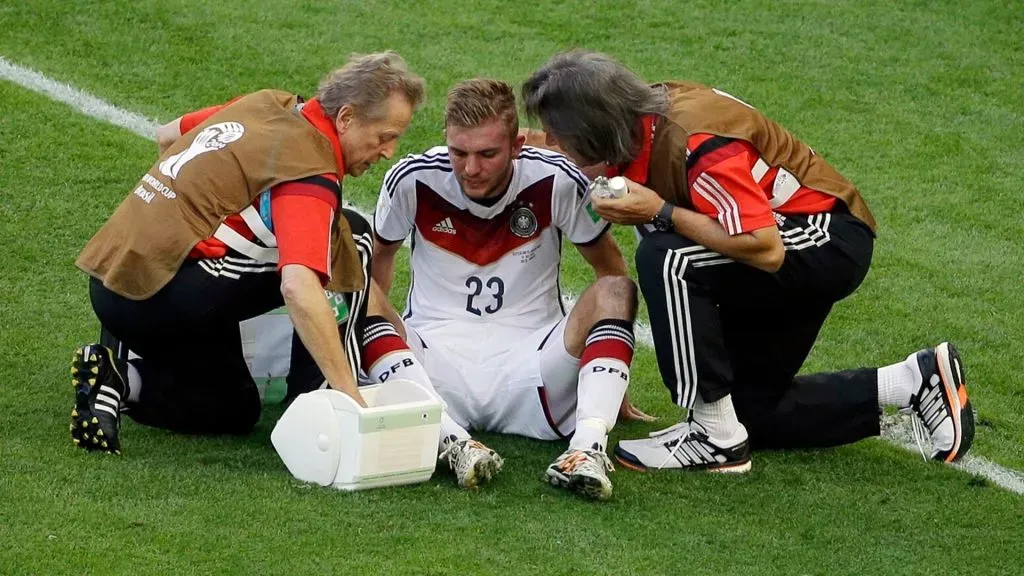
(326, 438)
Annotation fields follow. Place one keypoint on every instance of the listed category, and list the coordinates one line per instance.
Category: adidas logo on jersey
(445, 226)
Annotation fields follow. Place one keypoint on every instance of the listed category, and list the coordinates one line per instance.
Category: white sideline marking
(84, 103)
(94, 107)
(897, 429)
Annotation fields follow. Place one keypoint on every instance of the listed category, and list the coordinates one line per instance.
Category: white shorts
(512, 384)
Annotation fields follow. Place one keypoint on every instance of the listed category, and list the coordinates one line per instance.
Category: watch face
(662, 225)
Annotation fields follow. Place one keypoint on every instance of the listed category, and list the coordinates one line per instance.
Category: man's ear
(517, 144)
(345, 115)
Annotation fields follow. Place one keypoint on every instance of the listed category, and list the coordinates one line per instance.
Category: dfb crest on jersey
(523, 222)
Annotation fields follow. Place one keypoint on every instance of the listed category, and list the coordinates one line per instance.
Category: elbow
(771, 258)
(290, 291)
(294, 286)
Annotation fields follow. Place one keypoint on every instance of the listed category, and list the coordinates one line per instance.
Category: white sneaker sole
(741, 468)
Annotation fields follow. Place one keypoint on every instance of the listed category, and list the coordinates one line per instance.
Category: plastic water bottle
(602, 187)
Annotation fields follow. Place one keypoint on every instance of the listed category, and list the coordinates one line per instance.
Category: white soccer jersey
(482, 273)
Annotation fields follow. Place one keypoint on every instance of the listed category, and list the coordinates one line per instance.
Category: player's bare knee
(615, 297)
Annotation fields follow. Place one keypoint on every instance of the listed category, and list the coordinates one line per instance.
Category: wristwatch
(662, 221)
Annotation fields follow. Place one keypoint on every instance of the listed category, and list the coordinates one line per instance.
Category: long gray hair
(592, 105)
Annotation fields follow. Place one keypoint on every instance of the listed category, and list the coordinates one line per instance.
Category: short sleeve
(302, 225)
(395, 216)
(722, 187)
(571, 209)
(192, 119)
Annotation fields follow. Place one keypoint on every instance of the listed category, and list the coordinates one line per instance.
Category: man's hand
(317, 328)
(629, 412)
(168, 134)
(639, 206)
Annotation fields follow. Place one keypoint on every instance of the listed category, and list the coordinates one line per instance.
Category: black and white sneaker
(686, 446)
(100, 390)
(943, 414)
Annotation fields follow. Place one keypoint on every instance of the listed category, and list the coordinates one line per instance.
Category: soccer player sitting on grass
(749, 239)
(485, 314)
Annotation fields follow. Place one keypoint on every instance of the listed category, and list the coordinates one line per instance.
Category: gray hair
(365, 83)
(592, 105)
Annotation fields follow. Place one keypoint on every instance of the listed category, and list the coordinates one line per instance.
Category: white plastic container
(326, 438)
(602, 187)
(617, 187)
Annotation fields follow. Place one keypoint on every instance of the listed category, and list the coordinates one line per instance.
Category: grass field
(920, 104)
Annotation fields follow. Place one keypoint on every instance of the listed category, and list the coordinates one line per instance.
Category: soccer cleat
(686, 446)
(583, 471)
(473, 463)
(99, 389)
(943, 414)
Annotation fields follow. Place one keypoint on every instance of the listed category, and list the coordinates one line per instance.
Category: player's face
(482, 157)
(364, 142)
(590, 170)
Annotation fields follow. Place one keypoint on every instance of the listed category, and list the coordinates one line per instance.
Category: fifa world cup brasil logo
(212, 137)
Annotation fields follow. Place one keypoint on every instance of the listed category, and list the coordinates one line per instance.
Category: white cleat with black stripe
(686, 446)
(100, 391)
(943, 414)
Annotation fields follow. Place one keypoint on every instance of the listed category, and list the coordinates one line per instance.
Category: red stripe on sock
(381, 347)
(607, 348)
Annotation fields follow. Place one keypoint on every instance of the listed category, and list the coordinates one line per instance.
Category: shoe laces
(585, 461)
(677, 434)
(922, 436)
(462, 453)
(919, 428)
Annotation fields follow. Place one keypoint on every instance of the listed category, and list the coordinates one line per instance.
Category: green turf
(920, 105)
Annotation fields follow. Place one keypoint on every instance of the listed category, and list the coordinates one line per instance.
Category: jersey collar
(314, 113)
(637, 169)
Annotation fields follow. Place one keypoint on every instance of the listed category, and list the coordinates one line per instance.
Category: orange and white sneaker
(943, 415)
(686, 446)
(584, 472)
(473, 463)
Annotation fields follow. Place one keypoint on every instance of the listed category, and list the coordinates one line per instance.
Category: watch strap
(666, 211)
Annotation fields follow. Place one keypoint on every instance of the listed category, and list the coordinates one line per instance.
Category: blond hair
(365, 83)
(474, 102)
